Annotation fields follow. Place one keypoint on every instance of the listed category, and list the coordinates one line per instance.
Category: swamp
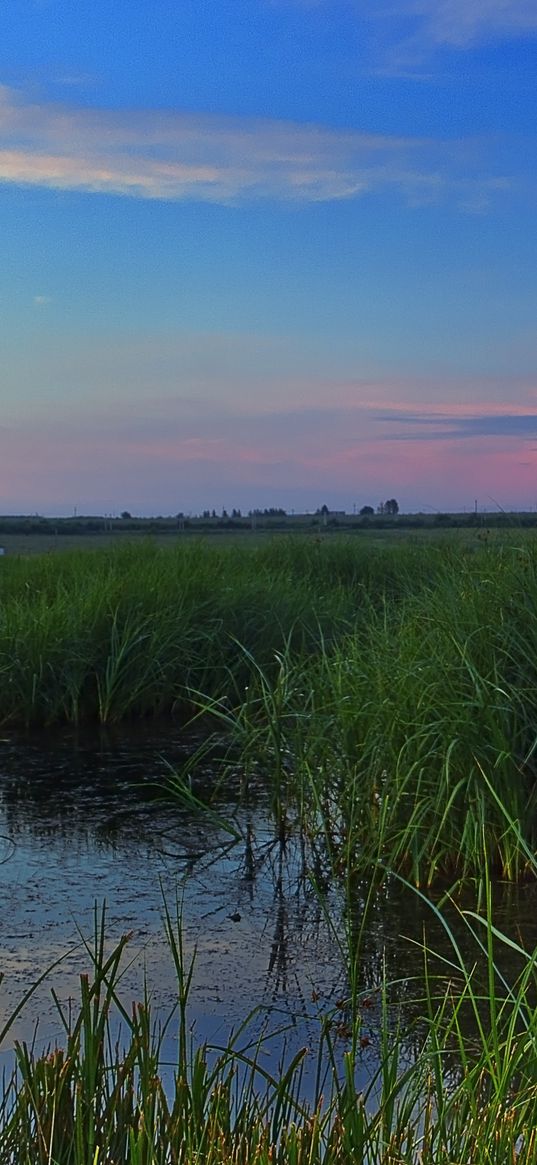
(268, 852)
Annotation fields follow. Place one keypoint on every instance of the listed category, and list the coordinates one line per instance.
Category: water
(80, 825)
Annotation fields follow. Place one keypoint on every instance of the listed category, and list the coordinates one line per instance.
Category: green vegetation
(395, 684)
(28, 534)
(386, 695)
(458, 1085)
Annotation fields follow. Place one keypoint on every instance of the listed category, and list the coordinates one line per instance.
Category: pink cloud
(181, 458)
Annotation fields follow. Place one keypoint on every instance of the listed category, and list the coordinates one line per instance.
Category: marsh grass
(127, 632)
(375, 684)
(391, 728)
(439, 1092)
(388, 699)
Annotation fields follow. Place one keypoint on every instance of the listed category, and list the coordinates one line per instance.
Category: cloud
(425, 27)
(405, 32)
(304, 433)
(455, 425)
(462, 23)
(171, 453)
(176, 156)
(459, 23)
(42, 300)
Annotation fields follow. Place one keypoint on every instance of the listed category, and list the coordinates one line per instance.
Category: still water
(83, 822)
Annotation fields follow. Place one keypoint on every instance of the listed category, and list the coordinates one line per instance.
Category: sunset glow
(267, 253)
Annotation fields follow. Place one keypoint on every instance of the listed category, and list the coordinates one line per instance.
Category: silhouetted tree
(391, 507)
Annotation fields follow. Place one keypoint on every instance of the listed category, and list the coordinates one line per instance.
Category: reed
(127, 632)
(378, 682)
(441, 1091)
(388, 697)
(391, 726)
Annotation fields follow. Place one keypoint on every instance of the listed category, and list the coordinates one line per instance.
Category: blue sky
(267, 252)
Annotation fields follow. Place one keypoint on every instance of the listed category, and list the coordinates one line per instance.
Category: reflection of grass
(458, 1098)
(389, 699)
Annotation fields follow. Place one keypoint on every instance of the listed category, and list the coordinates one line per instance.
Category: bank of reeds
(388, 696)
(404, 735)
(459, 1088)
(113, 634)
(391, 689)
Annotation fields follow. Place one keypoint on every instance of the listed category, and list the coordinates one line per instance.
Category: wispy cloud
(406, 32)
(408, 424)
(174, 454)
(414, 32)
(462, 23)
(302, 432)
(176, 156)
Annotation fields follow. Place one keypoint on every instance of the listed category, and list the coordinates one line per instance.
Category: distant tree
(367, 512)
(268, 512)
(381, 508)
(391, 507)
(126, 516)
(323, 513)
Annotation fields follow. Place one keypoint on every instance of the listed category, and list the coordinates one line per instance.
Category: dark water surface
(80, 825)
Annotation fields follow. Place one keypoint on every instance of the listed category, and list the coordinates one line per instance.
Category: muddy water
(81, 824)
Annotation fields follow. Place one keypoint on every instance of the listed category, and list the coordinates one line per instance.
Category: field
(51, 543)
(35, 534)
(385, 692)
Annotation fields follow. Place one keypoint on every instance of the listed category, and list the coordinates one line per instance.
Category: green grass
(128, 631)
(456, 1086)
(395, 685)
(388, 696)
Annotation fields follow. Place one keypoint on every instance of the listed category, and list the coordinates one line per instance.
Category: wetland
(300, 775)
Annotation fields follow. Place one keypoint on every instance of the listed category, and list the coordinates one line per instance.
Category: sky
(267, 253)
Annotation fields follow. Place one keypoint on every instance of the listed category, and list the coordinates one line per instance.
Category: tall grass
(380, 682)
(448, 1091)
(390, 727)
(127, 632)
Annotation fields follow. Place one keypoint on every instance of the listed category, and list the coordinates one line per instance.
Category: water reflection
(80, 822)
